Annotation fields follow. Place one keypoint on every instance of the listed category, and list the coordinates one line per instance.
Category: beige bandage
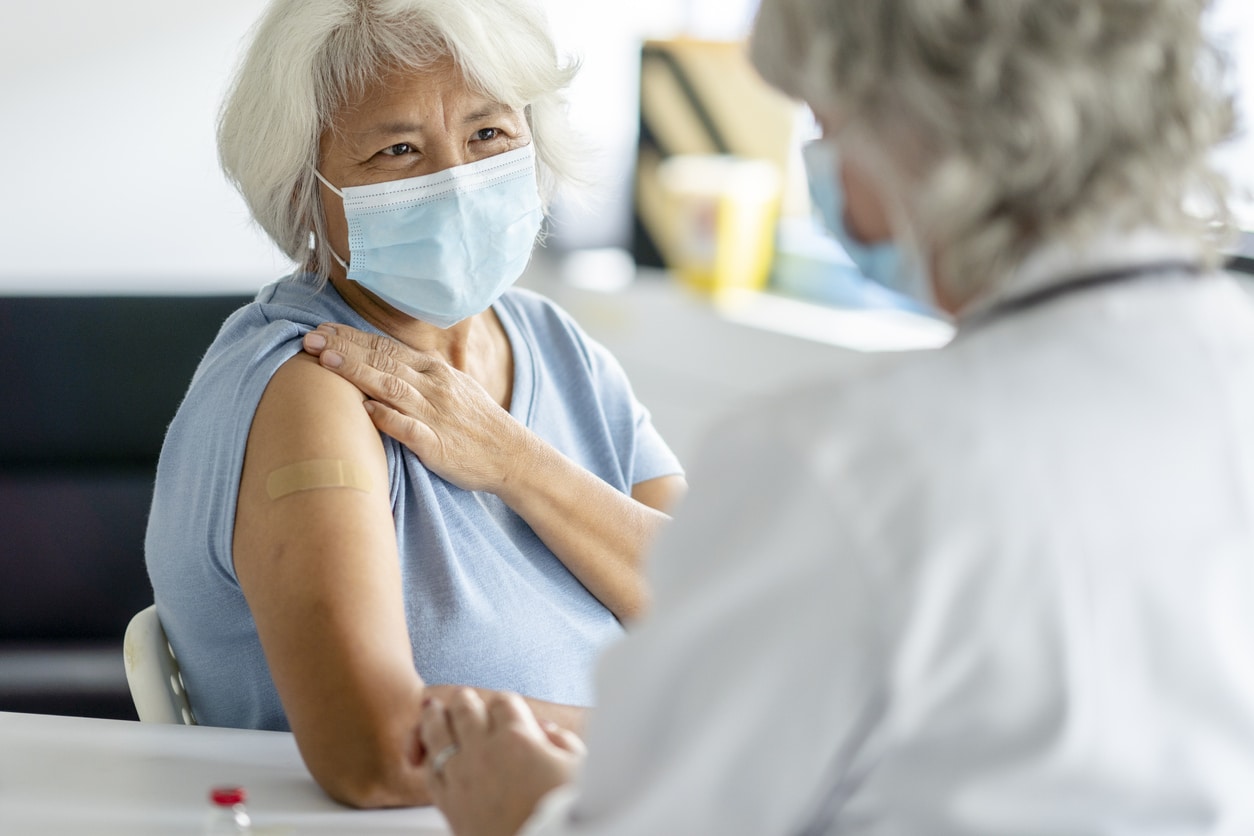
(314, 474)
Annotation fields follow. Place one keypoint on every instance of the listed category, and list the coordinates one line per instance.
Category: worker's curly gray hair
(308, 58)
(1000, 124)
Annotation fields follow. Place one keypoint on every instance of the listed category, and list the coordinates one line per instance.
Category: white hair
(308, 58)
(1002, 124)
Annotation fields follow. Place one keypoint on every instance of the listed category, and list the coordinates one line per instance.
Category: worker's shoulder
(908, 415)
(881, 392)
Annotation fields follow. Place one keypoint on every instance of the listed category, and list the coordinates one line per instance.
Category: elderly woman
(1002, 588)
(316, 574)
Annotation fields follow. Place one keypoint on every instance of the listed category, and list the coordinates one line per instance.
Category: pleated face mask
(444, 246)
(883, 262)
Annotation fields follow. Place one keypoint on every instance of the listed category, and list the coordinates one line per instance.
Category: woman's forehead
(438, 95)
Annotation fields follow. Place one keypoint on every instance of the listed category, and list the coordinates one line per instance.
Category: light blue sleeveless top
(486, 602)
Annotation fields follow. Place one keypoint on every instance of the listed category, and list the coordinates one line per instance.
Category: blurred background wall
(109, 174)
(107, 156)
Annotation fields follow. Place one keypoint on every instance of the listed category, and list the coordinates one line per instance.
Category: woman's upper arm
(317, 562)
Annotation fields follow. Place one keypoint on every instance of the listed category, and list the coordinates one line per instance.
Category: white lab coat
(1006, 587)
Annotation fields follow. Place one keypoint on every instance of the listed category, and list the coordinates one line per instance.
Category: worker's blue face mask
(882, 261)
(445, 246)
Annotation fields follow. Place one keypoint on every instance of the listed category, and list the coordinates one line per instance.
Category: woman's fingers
(436, 733)
(510, 710)
(451, 735)
(396, 405)
(349, 340)
(380, 379)
(380, 367)
(467, 715)
(404, 428)
(565, 739)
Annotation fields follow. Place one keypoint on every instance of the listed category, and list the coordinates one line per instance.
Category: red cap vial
(228, 796)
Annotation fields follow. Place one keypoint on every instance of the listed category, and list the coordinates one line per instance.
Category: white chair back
(153, 673)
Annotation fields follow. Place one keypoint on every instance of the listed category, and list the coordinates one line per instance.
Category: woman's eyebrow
(489, 110)
(389, 128)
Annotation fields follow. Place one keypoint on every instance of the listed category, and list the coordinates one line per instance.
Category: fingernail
(332, 360)
(315, 340)
(370, 407)
(326, 326)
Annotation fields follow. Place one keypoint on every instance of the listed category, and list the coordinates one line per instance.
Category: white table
(71, 775)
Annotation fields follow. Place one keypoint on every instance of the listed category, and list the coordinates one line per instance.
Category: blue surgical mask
(445, 246)
(882, 262)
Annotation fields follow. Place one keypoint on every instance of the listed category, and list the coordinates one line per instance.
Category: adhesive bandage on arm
(315, 474)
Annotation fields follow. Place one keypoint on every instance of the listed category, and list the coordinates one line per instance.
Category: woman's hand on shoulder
(440, 413)
(464, 436)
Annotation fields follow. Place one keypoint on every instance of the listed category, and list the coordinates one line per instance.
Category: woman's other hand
(487, 765)
(444, 415)
(462, 434)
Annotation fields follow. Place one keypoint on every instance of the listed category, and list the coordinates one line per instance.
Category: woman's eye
(398, 149)
(487, 134)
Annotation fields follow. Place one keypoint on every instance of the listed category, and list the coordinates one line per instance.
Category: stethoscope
(1080, 284)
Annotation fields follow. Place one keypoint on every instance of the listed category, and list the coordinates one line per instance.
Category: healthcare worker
(1006, 587)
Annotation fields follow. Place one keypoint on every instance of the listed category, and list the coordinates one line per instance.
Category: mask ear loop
(331, 249)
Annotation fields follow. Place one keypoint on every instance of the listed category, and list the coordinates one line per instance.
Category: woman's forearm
(598, 532)
(570, 717)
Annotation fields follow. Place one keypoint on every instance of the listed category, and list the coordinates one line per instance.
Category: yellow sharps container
(721, 215)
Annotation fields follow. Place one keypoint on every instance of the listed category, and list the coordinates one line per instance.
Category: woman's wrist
(528, 470)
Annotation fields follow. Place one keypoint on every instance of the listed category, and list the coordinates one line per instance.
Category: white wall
(107, 156)
(107, 159)
(109, 175)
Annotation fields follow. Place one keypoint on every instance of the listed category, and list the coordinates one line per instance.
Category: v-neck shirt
(486, 603)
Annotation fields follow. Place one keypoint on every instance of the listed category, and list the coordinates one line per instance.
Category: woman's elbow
(372, 777)
(631, 609)
(374, 795)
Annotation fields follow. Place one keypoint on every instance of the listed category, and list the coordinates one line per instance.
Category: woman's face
(408, 124)
(865, 215)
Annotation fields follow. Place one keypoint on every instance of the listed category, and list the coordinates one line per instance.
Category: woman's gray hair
(1001, 124)
(308, 58)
